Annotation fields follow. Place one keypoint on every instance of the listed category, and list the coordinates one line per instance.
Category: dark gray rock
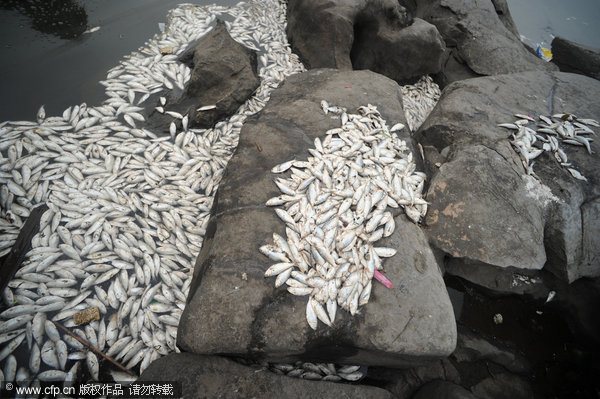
(572, 245)
(501, 7)
(405, 383)
(321, 33)
(481, 38)
(218, 377)
(398, 327)
(401, 54)
(472, 347)
(503, 386)
(378, 35)
(481, 212)
(575, 57)
(440, 389)
(224, 74)
(484, 211)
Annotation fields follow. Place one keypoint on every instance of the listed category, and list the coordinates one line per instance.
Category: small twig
(93, 348)
(258, 147)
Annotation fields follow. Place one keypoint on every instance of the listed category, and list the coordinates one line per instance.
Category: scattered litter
(544, 53)
(382, 279)
(166, 50)
(87, 315)
(498, 319)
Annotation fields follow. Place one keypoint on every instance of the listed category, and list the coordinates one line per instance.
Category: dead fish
(91, 30)
(92, 364)
(206, 108)
(41, 114)
(575, 173)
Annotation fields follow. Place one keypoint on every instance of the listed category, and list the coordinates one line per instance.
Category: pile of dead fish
(334, 207)
(319, 371)
(418, 100)
(546, 135)
(127, 208)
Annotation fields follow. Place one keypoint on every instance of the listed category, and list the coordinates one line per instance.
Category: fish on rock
(360, 169)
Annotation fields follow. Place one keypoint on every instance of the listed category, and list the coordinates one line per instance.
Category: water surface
(539, 21)
(45, 58)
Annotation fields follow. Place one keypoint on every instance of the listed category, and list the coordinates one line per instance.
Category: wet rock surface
(218, 377)
(402, 326)
(576, 58)
(357, 34)
(481, 171)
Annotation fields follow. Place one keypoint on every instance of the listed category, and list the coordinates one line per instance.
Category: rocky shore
(491, 290)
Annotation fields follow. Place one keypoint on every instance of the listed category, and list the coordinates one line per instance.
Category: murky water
(539, 21)
(45, 58)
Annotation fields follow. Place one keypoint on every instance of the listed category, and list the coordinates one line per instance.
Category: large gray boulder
(233, 309)
(224, 74)
(218, 377)
(322, 33)
(503, 12)
(485, 212)
(481, 212)
(481, 39)
(454, 39)
(364, 34)
(400, 54)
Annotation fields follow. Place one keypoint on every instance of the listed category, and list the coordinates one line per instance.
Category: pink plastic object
(382, 279)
